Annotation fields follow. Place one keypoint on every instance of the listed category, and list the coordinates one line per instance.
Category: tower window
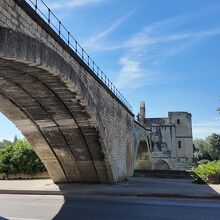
(179, 144)
(178, 121)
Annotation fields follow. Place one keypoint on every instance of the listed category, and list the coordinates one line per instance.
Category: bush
(206, 169)
(20, 158)
(204, 161)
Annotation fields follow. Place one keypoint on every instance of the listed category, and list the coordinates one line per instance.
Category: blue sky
(165, 53)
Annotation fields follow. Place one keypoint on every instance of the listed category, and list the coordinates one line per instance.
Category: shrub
(209, 168)
(20, 158)
(204, 161)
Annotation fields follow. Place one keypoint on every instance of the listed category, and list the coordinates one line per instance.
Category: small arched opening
(142, 161)
(161, 165)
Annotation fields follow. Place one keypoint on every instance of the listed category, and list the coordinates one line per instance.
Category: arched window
(161, 165)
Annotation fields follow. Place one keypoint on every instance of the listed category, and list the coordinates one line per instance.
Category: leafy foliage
(20, 158)
(205, 169)
(6, 143)
(208, 149)
(214, 146)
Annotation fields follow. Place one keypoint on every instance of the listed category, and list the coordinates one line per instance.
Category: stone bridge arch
(142, 160)
(59, 118)
(76, 120)
(161, 164)
(142, 149)
(32, 132)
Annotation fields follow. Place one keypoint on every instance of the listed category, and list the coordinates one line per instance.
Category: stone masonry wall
(114, 121)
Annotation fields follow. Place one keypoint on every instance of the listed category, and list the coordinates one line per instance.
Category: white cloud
(151, 47)
(98, 43)
(131, 75)
(145, 51)
(203, 129)
(157, 33)
(144, 38)
(70, 4)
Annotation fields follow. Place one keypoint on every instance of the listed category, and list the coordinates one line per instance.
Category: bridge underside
(55, 120)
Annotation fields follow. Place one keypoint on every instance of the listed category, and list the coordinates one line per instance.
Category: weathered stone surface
(171, 137)
(78, 128)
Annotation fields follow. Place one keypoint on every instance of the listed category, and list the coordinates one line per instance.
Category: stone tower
(142, 112)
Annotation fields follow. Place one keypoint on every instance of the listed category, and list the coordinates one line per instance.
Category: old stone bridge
(78, 123)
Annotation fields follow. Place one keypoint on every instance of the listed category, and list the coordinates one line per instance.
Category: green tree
(5, 143)
(15, 139)
(201, 149)
(200, 145)
(20, 158)
(214, 146)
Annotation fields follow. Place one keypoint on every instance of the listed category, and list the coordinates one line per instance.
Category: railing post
(68, 38)
(48, 19)
(97, 71)
(76, 46)
(82, 54)
(36, 5)
(59, 27)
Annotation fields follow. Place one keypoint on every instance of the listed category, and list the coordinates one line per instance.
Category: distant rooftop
(150, 122)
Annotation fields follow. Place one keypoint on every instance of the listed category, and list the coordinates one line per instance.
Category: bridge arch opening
(8, 130)
(161, 165)
(58, 129)
(30, 131)
(46, 96)
(25, 167)
(142, 161)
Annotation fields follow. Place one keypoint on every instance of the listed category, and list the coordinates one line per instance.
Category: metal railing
(48, 16)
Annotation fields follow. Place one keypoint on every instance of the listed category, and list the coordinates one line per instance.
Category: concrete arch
(64, 114)
(142, 160)
(32, 132)
(161, 165)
